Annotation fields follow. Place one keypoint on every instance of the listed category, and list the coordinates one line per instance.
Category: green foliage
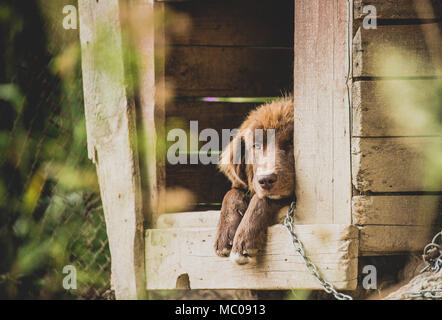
(50, 210)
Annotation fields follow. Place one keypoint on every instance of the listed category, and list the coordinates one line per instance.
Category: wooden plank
(199, 219)
(174, 252)
(111, 142)
(382, 240)
(229, 71)
(322, 130)
(207, 184)
(233, 23)
(393, 164)
(149, 45)
(396, 210)
(393, 51)
(215, 115)
(399, 9)
(391, 107)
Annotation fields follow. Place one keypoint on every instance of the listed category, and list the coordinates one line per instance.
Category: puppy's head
(260, 157)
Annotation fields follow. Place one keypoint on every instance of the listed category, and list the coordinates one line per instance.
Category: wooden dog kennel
(358, 180)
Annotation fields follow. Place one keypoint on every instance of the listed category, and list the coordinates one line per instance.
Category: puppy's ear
(232, 162)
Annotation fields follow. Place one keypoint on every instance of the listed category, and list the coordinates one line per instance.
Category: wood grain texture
(110, 132)
(152, 111)
(392, 164)
(236, 23)
(398, 9)
(322, 129)
(202, 219)
(215, 115)
(198, 219)
(229, 72)
(391, 107)
(386, 222)
(393, 51)
(173, 252)
(396, 210)
(382, 240)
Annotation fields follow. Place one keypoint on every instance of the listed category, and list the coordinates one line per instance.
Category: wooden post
(111, 142)
(322, 111)
(148, 39)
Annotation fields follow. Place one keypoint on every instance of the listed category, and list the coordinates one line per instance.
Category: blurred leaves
(298, 295)
(11, 93)
(65, 63)
(50, 209)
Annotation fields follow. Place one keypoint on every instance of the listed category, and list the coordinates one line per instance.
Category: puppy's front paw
(242, 258)
(245, 248)
(224, 240)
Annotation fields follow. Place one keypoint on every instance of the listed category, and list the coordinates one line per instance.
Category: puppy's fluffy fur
(249, 208)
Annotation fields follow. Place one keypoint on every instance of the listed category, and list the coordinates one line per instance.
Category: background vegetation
(50, 210)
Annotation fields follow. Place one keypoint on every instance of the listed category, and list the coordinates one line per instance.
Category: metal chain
(429, 294)
(299, 247)
(432, 255)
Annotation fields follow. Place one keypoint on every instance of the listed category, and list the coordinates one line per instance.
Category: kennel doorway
(234, 56)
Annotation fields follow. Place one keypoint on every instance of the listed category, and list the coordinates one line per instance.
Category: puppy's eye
(257, 146)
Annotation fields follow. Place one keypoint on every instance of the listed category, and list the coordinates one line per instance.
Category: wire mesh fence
(87, 244)
(50, 208)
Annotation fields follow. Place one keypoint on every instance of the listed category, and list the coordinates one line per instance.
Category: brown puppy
(259, 162)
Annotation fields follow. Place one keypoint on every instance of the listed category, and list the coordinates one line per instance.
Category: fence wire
(50, 209)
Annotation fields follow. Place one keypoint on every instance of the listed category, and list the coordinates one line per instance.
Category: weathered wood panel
(236, 23)
(201, 219)
(382, 240)
(384, 221)
(396, 210)
(392, 164)
(322, 130)
(381, 108)
(393, 51)
(151, 110)
(207, 184)
(215, 115)
(399, 9)
(111, 142)
(230, 71)
(174, 252)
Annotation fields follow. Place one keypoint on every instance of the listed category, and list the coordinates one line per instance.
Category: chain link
(299, 247)
(432, 255)
(429, 294)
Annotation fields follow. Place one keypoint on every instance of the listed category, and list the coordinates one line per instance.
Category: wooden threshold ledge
(181, 249)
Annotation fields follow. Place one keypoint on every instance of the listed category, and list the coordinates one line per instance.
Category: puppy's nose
(267, 181)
